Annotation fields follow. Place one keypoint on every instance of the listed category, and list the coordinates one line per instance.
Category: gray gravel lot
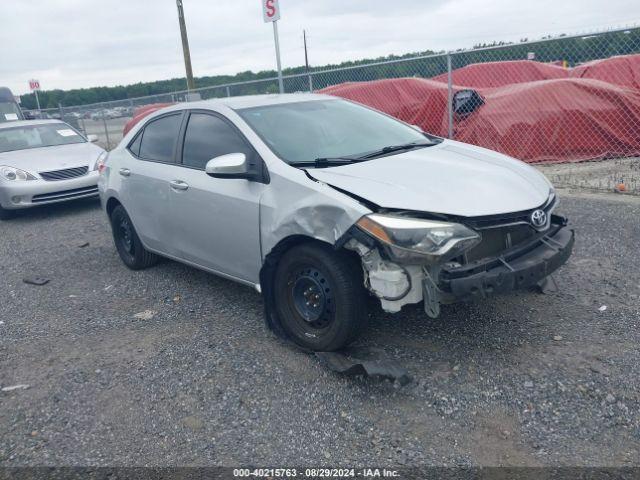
(528, 379)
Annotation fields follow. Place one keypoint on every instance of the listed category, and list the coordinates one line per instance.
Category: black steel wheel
(127, 242)
(319, 296)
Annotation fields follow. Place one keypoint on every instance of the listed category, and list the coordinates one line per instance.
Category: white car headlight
(432, 240)
(15, 174)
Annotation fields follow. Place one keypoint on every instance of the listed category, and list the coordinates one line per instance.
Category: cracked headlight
(15, 174)
(430, 239)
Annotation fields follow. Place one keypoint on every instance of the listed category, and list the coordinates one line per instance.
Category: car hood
(44, 159)
(450, 178)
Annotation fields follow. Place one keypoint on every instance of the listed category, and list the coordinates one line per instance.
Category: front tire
(128, 244)
(320, 297)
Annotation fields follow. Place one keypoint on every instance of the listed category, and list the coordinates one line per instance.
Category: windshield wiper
(395, 148)
(336, 161)
(326, 162)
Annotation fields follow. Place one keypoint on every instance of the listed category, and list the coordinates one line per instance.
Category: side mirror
(231, 165)
(92, 138)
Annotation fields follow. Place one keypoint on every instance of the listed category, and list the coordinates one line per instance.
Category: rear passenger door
(216, 219)
(145, 180)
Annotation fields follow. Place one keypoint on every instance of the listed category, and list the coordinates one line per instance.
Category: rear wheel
(320, 297)
(128, 244)
(6, 214)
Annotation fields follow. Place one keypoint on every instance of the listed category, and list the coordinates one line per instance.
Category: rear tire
(6, 214)
(320, 297)
(128, 244)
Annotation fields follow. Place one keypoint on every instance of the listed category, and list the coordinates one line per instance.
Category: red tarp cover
(557, 121)
(545, 121)
(498, 74)
(142, 112)
(623, 71)
(413, 100)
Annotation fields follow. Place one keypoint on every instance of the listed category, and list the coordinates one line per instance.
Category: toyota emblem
(539, 218)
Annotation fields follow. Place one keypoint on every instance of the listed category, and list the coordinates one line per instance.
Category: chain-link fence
(552, 102)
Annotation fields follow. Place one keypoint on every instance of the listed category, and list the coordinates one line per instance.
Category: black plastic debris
(354, 361)
(38, 281)
(83, 245)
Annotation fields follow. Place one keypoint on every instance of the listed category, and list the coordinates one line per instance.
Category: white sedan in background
(45, 161)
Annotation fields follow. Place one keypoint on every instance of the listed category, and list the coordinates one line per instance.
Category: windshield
(36, 136)
(305, 131)
(9, 111)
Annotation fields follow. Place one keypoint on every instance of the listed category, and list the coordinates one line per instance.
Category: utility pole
(185, 47)
(306, 60)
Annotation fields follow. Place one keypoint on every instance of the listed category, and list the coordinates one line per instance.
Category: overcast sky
(86, 43)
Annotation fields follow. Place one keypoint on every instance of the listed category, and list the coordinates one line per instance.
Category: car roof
(248, 101)
(29, 123)
(232, 103)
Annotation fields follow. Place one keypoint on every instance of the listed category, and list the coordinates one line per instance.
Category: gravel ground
(528, 379)
(600, 175)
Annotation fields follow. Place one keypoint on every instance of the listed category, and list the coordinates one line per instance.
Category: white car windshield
(36, 136)
(306, 131)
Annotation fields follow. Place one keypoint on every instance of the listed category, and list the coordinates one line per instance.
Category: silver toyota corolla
(318, 202)
(45, 161)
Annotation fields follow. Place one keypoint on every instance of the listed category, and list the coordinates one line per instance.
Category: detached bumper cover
(518, 268)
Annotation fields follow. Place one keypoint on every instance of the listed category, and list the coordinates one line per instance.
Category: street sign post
(34, 85)
(271, 13)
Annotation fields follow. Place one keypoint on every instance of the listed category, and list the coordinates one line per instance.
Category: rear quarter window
(134, 147)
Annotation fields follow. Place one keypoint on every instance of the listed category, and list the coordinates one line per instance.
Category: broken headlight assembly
(419, 240)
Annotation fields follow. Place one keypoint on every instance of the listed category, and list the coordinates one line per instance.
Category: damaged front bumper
(516, 268)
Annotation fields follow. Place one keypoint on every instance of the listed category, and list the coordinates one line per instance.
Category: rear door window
(159, 138)
(134, 147)
(209, 136)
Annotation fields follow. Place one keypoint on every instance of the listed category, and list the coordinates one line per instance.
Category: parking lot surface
(173, 366)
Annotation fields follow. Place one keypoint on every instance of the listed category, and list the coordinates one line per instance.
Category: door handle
(178, 185)
(125, 172)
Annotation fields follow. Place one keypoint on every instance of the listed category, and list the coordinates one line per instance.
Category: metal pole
(37, 100)
(228, 91)
(449, 95)
(185, 46)
(306, 60)
(106, 130)
(61, 110)
(275, 37)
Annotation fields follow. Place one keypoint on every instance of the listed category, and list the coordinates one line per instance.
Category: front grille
(493, 221)
(501, 232)
(64, 174)
(65, 194)
(497, 240)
